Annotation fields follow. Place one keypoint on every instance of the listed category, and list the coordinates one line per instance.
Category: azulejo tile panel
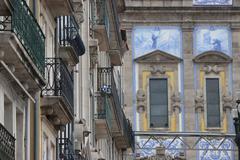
(210, 154)
(212, 38)
(212, 2)
(150, 38)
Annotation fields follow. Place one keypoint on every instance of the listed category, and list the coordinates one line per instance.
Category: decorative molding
(141, 101)
(158, 56)
(212, 57)
(227, 101)
(157, 70)
(176, 101)
(199, 101)
(212, 68)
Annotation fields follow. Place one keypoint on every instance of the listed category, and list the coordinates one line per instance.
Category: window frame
(220, 101)
(168, 105)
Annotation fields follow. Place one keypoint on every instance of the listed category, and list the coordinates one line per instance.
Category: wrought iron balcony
(7, 144)
(104, 110)
(107, 86)
(59, 81)
(66, 150)
(128, 132)
(27, 30)
(68, 31)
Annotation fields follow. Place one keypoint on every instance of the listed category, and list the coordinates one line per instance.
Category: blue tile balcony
(22, 43)
(71, 44)
(7, 144)
(57, 103)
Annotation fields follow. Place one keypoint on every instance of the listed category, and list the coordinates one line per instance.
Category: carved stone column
(227, 107)
(176, 108)
(141, 101)
(199, 107)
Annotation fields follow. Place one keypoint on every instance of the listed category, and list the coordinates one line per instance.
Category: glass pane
(213, 102)
(158, 103)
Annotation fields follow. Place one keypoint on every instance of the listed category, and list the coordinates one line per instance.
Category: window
(158, 102)
(213, 102)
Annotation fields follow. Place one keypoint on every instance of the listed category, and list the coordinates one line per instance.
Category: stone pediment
(158, 56)
(212, 57)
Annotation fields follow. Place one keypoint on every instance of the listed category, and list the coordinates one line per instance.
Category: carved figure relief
(199, 100)
(215, 69)
(158, 70)
(176, 101)
(141, 101)
(227, 101)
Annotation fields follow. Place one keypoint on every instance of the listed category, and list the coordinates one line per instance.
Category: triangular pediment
(158, 56)
(212, 57)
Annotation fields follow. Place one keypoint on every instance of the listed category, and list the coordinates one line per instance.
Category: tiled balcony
(57, 102)
(71, 44)
(22, 44)
(7, 144)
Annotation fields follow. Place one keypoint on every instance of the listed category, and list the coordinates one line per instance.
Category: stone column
(189, 92)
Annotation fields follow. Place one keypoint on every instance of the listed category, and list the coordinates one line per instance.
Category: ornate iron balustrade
(66, 151)
(104, 110)
(7, 144)
(68, 31)
(25, 26)
(128, 132)
(59, 80)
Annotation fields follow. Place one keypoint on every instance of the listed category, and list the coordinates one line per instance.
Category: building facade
(61, 93)
(181, 73)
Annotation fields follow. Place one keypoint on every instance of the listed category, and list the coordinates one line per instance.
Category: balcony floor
(15, 56)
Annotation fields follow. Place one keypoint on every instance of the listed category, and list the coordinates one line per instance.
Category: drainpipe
(34, 8)
(36, 126)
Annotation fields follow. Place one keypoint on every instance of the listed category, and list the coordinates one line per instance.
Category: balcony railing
(59, 80)
(28, 31)
(68, 31)
(7, 144)
(128, 132)
(104, 110)
(66, 150)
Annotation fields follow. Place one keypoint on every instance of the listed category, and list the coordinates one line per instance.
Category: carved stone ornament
(214, 69)
(227, 101)
(158, 70)
(199, 100)
(141, 101)
(176, 101)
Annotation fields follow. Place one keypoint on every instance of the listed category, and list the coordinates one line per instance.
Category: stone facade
(188, 17)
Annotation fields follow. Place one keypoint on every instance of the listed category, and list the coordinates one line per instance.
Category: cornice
(190, 9)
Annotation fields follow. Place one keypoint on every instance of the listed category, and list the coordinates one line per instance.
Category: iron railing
(28, 31)
(66, 150)
(104, 109)
(68, 34)
(102, 14)
(128, 132)
(107, 86)
(59, 80)
(7, 144)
